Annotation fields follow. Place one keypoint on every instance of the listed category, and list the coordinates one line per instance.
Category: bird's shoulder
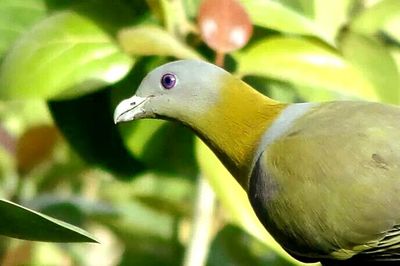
(320, 172)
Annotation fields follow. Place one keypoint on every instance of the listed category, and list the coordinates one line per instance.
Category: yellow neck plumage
(234, 126)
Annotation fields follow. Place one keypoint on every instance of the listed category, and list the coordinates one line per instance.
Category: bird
(323, 178)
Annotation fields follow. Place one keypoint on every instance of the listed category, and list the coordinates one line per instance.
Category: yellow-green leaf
(375, 62)
(304, 62)
(20, 222)
(374, 18)
(153, 40)
(277, 16)
(64, 55)
(16, 17)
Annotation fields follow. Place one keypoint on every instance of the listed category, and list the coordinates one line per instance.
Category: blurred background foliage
(65, 64)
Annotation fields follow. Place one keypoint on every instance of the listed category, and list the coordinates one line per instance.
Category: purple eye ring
(168, 81)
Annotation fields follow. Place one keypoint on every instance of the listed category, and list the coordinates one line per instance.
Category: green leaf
(87, 124)
(304, 62)
(166, 193)
(374, 18)
(279, 17)
(153, 40)
(73, 210)
(16, 17)
(233, 197)
(65, 55)
(162, 146)
(376, 63)
(392, 28)
(331, 16)
(20, 222)
(310, 94)
(232, 246)
(191, 7)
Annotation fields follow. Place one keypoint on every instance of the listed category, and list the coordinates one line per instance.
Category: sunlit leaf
(64, 55)
(233, 197)
(35, 146)
(175, 19)
(277, 16)
(17, 16)
(374, 18)
(312, 94)
(306, 63)
(153, 40)
(376, 63)
(224, 25)
(392, 28)
(331, 16)
(20, 222)
(307, 6)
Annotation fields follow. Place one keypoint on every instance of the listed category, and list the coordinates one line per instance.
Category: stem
(197, 251)
(219, 59)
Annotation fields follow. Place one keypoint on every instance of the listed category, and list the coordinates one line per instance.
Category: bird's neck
(234, 126)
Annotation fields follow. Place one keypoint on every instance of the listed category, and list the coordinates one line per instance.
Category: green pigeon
(323, 178)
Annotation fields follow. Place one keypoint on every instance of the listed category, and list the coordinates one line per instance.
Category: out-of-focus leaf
(162, 146)
(277, 16)
(87, 124)
(149, 235)
(20, 222)
(280, 91)
(311, 94)
(191, 7)
(171, 194)
(374, 18)
(16, 17)
(376, 63)
(331, 15)
(35, 146)
(153, 40)
(232, 246)
(304, 62)
(224, 25)
(392, 28)
(72, 210)
(18, 116)
(135, 218)
(307, 6)
(7, 141)
(164, 193)
(65, 55)
(233, 197)
(175, 19)
(396, 56)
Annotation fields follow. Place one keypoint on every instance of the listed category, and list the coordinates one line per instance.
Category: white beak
(131, 109)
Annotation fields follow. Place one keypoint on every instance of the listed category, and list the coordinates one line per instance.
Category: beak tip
(116, 118)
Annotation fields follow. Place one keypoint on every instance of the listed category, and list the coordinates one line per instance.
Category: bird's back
(329, 187)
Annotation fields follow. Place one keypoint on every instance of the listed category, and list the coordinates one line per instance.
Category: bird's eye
(168, 81)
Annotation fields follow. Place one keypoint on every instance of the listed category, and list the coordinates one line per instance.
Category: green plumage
(324, 179)
(330, 186)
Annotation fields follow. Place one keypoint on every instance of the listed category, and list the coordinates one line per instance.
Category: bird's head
(225, 112)
(179, 90)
